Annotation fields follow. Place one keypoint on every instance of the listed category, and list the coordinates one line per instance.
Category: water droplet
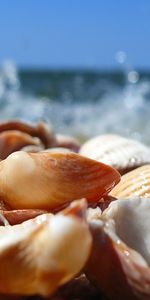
(133, 76)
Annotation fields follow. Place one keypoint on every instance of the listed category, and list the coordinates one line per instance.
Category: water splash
(123, 110)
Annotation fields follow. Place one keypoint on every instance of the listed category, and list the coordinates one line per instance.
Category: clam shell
(134, 183)
(41, 130)
(42, 254)
(119, 269)
(49, 180)
(14, 140)
(119, 152)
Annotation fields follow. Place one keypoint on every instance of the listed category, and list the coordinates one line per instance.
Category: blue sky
(75, 33)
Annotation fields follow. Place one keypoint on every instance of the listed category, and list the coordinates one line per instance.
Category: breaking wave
(122, 109)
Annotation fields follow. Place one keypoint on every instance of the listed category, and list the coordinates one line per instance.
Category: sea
(78, 102)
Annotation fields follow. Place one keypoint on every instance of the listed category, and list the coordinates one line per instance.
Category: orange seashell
(41, 254)
(119, 152)
(134, 183)
(14, 140)
(48, 180)
(18, 216)
(119, 261)
(40, 130)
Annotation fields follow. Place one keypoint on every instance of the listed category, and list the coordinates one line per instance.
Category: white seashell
(119, 264)
(119, 152)
(93, 213)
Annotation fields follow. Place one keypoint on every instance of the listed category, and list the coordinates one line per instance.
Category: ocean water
(79, 103)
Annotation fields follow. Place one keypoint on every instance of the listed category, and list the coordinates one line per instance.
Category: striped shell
(49, 180)
(119, 152)
(134, 183)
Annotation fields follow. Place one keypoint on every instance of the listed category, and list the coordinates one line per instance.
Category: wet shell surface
(48, 180)
(119, 264)
(41, 254)
(121, 153)
(134, 183)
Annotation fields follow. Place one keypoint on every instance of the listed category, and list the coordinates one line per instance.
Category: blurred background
(82, 66)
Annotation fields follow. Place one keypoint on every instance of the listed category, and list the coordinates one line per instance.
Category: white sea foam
(125, 111)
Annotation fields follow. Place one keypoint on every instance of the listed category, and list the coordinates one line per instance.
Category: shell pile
(70, 226)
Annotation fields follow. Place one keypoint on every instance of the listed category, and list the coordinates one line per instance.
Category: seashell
(57, 149)
(119, 152)
(45, 133)
(42, 254)
(93, 213)
(66, 141)
(78, 288)
(13, 140)
(105, 201)
(13, 217)
(95, 210)
(4, 206)
(49, 180)
(33, 148)
(134, 183)
(40, 130)
(10, 297)
(119, 264)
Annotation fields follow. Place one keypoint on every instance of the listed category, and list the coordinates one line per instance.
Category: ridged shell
(49, 180)
(134, 183)
(117, 269)
(119, 152)
(42, 254)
